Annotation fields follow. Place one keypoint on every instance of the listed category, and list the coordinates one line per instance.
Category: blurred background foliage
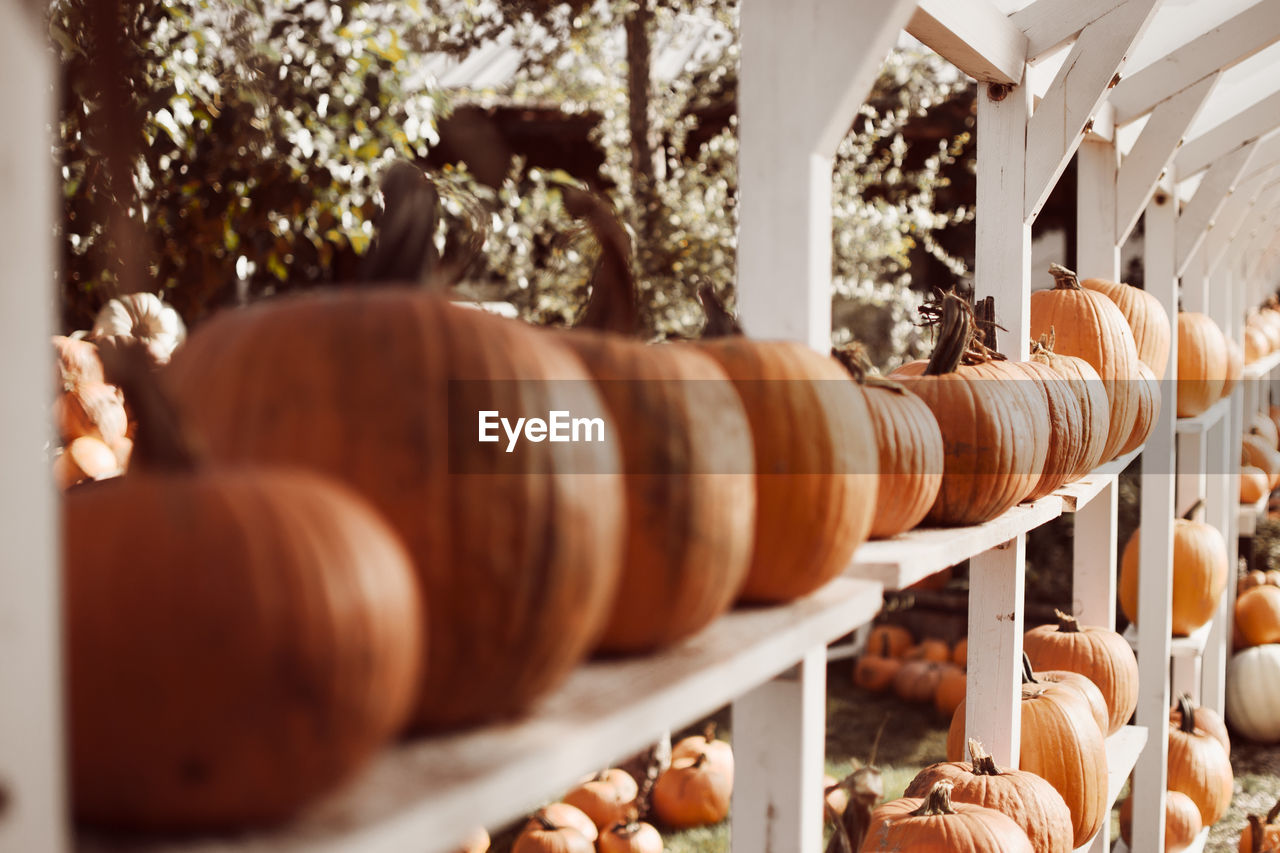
(265, 125)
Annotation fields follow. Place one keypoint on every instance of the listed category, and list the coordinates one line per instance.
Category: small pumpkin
(930, 649)
(952, 684)
(1182, 821)
(1099, 654)
(1253, 684)
(1254, 484)
(604, 797)
(1256, 343)
(1087, 386)
(85, 458)
(1199, 573)
(77, 361)
(1255, 451)
(1258, 615)
(875, 670)
(1148, 397)
(1260, 424)
(1261, 834)
(1205, 718)
(960, 653)
(92, 409)
(890, 640)
(917, 680)
(1235, 367)
(718, 752)
(630, 836)
(692, 792)
(565, 815)
(544, 835)
(142, 317)
(1199, 766)
(1202, 363)
(935, 824)
(1149, 322)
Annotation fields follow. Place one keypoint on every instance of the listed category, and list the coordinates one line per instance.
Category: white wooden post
(1155, 560)
(32, 804)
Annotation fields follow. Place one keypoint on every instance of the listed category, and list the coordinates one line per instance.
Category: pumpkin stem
(1274, 813)
(1067, 624)
(1028, 676)
(953, 338)
(884, 645)
(613, 305)
(545, 823)
(720, 323)
(404, 244)
(853, 358)
(937, 802)
(709, 731)
(1188, 713)
(1195, 508)
(160, 443)
(1255, 834)
(1063, 278)
(983, 763)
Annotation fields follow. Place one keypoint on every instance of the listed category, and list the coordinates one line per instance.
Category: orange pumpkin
(1029, 800)
(1261, 834)
(718, 752)
(960, 653)
(1199, 767)
(1148, 396)
(1260, 424)
(1199, 573)
(543, 835)
(1254, 484)
(917, 680)
(1181, 821)
(319, 380)
(935, 651)
(1149, 322)
(876, 671)
(1085, 687)
(1205, 718)
(1069, 439)
(1254, 451)
(1235, 366)
(952, 684)
(936, 825)
(565, 815)
(1099, 654)
(692, 792)
(1087, 386)
(1202, 363)
(1257, 614)
(604, 797)
(1256, 343)
(890, 640)
(1089, 325)
(633, 836)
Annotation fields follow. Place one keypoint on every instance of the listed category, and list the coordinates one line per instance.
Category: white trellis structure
(1189, 142)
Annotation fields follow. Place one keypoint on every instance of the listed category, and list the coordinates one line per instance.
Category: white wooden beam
(1232, 218)
(1154, 151)
(1048, 23)
(1267, 155)
(1097, 249)
(33, 810)
(1077, 91)
(1233, 133)
(1202, 209)
(1218, 49)
(806, 67)
(974, 36)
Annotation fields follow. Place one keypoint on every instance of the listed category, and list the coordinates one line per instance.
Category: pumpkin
(686, 456)
(876, 670)
(1256, 343)
(1088, 325)
(77, 362)
(1202, 363)
(1253, 683)
(1235, 366)
(960, 653)
(1260, 424)
(917, 680)
(815, 486)
(1199, 766)
(1257, 614)
(1181, 821)
(1099, 654)
(142, 317)
(631, 836)
(935, 824)
(1254, 484)
(85, 458)
(1148, 397)
(890, 640)
(1029, 800)
(519, 552)
(1199, 573)
(933, 650)
(1147, 319)
(545, 836)
(604, 797)
(1061, 743)
(1087, 386)
(92, 409)
(718, 752)
(565, 815)
(1273, 412)
(1254, 451)
(239, 641)
(952, 685)
(1205, 718)
(1261, 834)
(909, 444)
(993, 431)
(1249, 580)
(1069, 439)
(692, 792)
(1085, 687)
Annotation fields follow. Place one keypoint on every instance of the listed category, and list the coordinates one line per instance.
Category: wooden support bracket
(1199, 214)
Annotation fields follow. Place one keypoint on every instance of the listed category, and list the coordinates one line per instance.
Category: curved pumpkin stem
(1063, 278)
(545, 823)
(1195, 508)
(613, 305)
(1028, 676)
(954, 336)
(720, 323)
(853, 358)
(1067, 624)
(937, 802)
(160, 443)
(1274, 813)
(1255, 835)
(1188, 713)
(983, 763)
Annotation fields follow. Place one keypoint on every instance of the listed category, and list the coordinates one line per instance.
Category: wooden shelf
(1117, 465)
(917, 554)
(1256, 370)
(1179, 647)
(1202, 422)
(1195, 847)
(1247, 519)
(1075, 496)
(426, 794)
(1123, 749)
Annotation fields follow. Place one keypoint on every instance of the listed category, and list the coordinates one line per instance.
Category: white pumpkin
(143, 317)
(1253, 693)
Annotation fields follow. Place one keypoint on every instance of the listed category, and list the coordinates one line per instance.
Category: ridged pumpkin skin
(1207, 719)
(1085, 383)
(693, 791)
(1088, 325)
(1235, 366)
(1261, 425)
(1257, 614)
(1253, 682)
(1061, 743)
(1029, 800)
(815, 460)
(518, 553)
(1102, 656)
(1068, 441)
(239, 642)
(1181, 821)
(630, 838)
(1199, 575)
(1149, 322)
(1254, 484)
(1199, 767)
(1255, 451)
(954, 828)
(1256, 343)
(1086, 688)
(690, 494)
(1202, 363)
(910, 448)
(1148, 395)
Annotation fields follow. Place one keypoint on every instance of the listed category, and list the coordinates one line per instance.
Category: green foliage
(262, 126)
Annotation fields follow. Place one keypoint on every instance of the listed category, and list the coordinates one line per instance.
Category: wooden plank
(1075, 95)
(974, 36)
(1123, 749)
(1231, 219)
(997, 581)
(425, 794)
(915, 555)
(1093, 561)
(1153, 152)
(1221, 498)
(1048, 23)
(1191, 646)
(806, 67)
(1197, 217)
(1236, 131)
(1249, 514)
(1203, 421)
(1097, 250)
(1119, 464)
(32, 801)
(1075, 496)
(1222, 47)
(1255, 371)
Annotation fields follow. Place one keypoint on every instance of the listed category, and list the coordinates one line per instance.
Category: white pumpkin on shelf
(143, 317)
(1253, 693)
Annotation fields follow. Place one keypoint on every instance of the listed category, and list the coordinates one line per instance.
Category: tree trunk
(639, 43)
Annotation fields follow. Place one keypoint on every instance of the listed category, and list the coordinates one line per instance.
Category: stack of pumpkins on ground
(1253, 675)
(606, 811)
(928, 672)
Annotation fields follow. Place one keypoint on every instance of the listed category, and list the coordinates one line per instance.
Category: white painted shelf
(1179, 647)
(1123, 749)
(1195, 847)
(1076, 496)
(1205, 420)
(1256, 370)
(1117, 465)
(424, 795)
(1249, 514)
(915, 555)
